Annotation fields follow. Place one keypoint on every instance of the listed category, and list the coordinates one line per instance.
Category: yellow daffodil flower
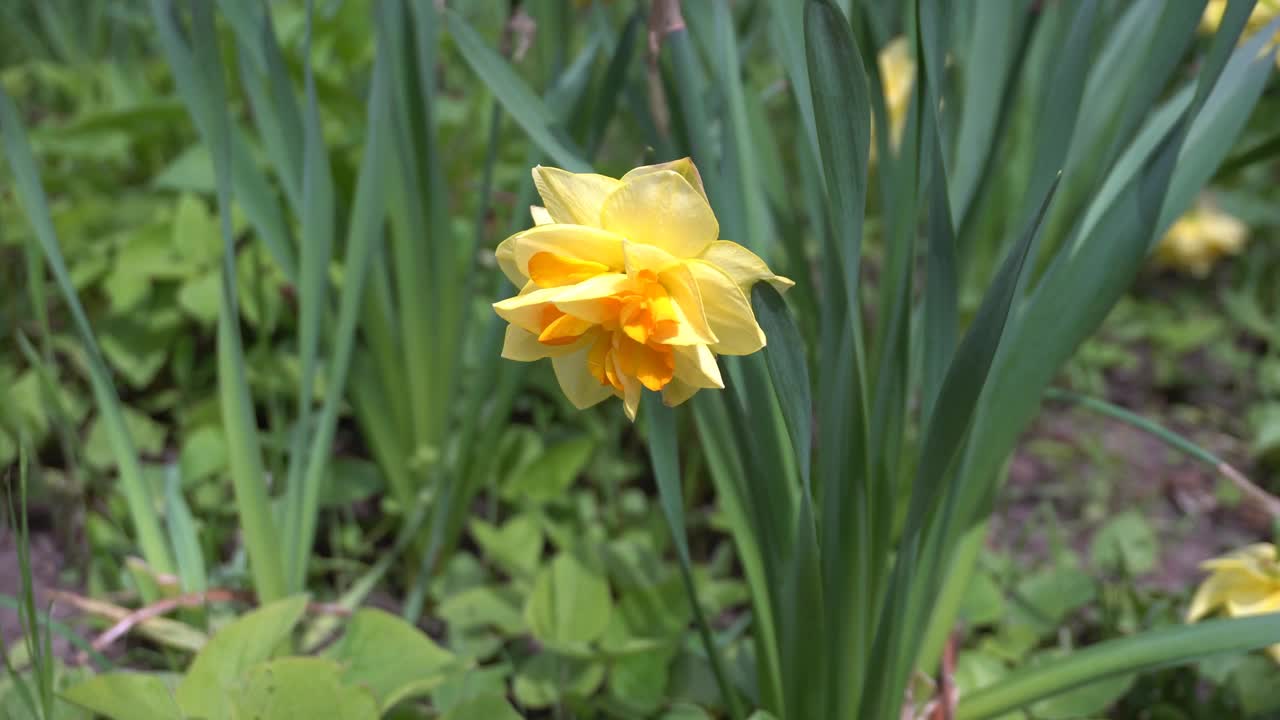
(625, 285)
(897, 77)
(1200, 238)
(1264, 12)
(1246, 582)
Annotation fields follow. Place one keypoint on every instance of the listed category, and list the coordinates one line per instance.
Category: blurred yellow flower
(625, 284)
(897, 77)
(1200, 238)
(1264, 12)
(1246, 582)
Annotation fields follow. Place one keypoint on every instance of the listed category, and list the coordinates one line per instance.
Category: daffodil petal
(677, 392)
(661, 208)
(693, 325)
(683, 167)
(574, 198)
(743, 266)
(638, 257)
(592, 299)
(540, 215)
(696, 366)
(1268, 602)
(576, 380)
(505, 254)
(728, 311)
(525, 310)
(631, 391)
(522, 345)
(578, 242)
(1207, 598)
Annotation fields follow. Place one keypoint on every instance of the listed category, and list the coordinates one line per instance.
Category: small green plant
(379, 663)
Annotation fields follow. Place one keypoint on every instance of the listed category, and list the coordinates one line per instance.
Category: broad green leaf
(546, 679)
(685, 711)
(1254, 683)
(548, 477)
(147, 433)
(1126, 544)
(483, 606)
(127, 696)
(570, 603)
(390, 658)
(249, 640)
(639, 680)
(460, 691)
(516, 546)
(490, 707)
(351, 480)
(301, 688)
(983, 602)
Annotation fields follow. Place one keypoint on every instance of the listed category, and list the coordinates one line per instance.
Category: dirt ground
(46, 567)
(1123, 468)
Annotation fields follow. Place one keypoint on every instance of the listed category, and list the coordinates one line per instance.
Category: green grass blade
(941, 290)
(1062, 103)
(1145, 651)
(138, 496)
(789, 370)
(519, 101)
(788, 28)
(804, 653)
(254, 193)
(1113, 238)
(615, 78)
(842, 105)
(264, 74)
(419, 276)
(967, 374)
(944, 433)
(991, 65)
(752, 225)
(316, 252)
(728, 474)
(248, 475)
(364, 241)
(660, 422)
(184, 537)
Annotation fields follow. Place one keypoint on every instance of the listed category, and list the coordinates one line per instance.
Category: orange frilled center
(633, 323)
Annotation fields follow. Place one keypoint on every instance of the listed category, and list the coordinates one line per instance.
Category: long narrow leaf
(663, 452)
(248, 476)
(520, 102)
(1114, 658)
(31, 195)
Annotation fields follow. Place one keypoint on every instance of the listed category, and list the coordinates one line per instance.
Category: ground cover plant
(753, 358)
